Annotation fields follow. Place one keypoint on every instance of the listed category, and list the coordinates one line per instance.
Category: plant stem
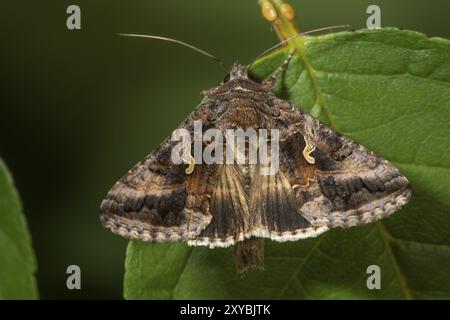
(281, 15)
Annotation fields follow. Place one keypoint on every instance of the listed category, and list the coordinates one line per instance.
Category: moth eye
(226, 79)
(252, 77)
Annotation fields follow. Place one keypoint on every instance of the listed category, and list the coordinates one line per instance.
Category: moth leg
(270, 81)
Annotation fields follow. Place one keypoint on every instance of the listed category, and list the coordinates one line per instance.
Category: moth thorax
(242, 117)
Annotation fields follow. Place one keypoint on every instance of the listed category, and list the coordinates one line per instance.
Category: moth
(324, 180)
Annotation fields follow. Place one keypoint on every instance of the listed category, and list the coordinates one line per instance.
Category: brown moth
(325, 180)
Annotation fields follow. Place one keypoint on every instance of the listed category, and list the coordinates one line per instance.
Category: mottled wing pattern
(157, 201)
(347, 185)
(324, 180)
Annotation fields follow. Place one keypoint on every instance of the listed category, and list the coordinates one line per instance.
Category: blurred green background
(80, 108)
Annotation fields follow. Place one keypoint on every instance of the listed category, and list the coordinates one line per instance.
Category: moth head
(238, 72)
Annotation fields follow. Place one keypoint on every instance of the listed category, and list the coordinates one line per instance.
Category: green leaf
(17, 261)
(388, 90)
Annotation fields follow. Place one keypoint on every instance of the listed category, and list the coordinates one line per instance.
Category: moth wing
(229, 209)
(335, 181)
(275, 213)
(158, 201)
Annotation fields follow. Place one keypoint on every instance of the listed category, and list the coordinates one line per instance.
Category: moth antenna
(295, 36)
(177, 42)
